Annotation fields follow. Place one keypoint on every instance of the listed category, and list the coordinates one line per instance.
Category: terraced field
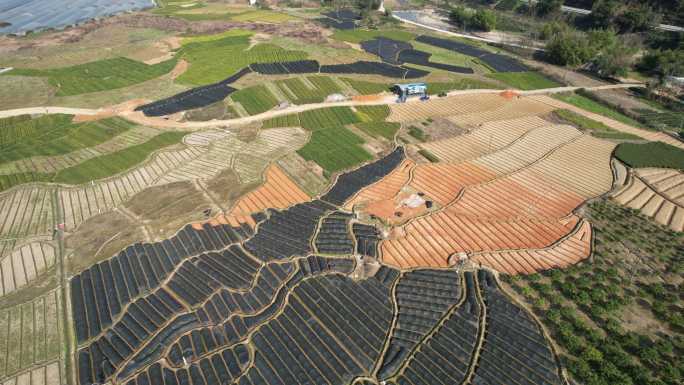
(657, 193)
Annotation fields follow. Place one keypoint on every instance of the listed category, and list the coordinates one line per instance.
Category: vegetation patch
(376, 129)
(590, 105)
(652, 154)
(23, 137)
(366, 88)
(359, 35)
(335, 149)
(214, 60)
(255, 100)
(428, 155)
(291, 120)
(417, 133)
(101, 75)
(301, 93)
(616, 318)
(524, 80)
(374, 113)
(328, 117)
(111, 164)
(597, 129)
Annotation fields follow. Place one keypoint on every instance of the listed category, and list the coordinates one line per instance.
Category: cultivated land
(206, 193)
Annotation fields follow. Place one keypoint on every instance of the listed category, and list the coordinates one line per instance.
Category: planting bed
(399, 52)
(194, 98)
(333, 235)
(24, 265)
(499, 63)
(657, 193)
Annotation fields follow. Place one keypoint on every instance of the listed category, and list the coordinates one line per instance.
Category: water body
(35, 15)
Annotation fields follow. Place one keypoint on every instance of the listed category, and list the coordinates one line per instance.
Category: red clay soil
(574, 248)
(430, 241)
(394, 211)
(278, 192)
(442, 182)
(385, 189)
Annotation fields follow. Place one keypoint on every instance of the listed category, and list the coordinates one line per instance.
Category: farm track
(657, 193)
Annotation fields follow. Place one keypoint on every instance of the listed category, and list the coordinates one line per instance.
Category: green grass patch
(428, 155)
(667, 120)
(373, 113)
(461, 84)
(255, 100)
(214, 60)
(101, 75)
(301, 93)
(116, 162)
(51, 135)
(417, 133)
(328, 117)
(524, 80)
(652, 154)
(291, 120)
(597, 129)
(359, 35)
(366, 88)
(376, 129)
(590, 105)
(335, 149)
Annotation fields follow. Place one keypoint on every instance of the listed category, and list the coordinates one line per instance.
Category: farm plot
(444, 107)
(343, 19)
(284, 68)
(52, 164)
(399, 52)
(333, 235)
(313, 89)
(24, 265)
(277, 192)
(41, 375)
(374, 68)
(657, 193)
(26, 212)
(498, 62)
(256, 99)
(612, 123)
(101, 75)
(511, 109)
(30, 334)
(524, 206)
(194, 98)
(568, 251)
(335, 149)
(385, 189)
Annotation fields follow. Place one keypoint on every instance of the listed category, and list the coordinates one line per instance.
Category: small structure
(411, 89)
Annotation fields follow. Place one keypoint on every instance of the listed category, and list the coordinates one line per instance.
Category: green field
(212, 60)
(255, 100)
(417, 133)
(291, 120)
(435, 88)
(298, 92)
(359, 35)
(99, 167)
(335, 149)
(328, 117)
(99, 75)
(524, 80)
(585, 103)
(373, 113)
(597, 129)
(50, 135)
(366, 88)
(652, 154)
(386, 130)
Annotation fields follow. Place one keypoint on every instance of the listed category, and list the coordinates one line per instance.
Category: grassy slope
(597, 108)
(597, 129)
(101, 75)
(335, 149)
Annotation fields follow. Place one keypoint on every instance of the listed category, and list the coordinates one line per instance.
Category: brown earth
(225, 188)
(165, 209)
(99, 238)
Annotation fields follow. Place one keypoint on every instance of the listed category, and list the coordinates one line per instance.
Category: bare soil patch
(165, 209)
(439, 128)
(99, 238)
(225, 188)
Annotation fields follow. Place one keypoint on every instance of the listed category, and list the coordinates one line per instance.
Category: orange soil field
(278, 192)
(566, 252)
(518, 198)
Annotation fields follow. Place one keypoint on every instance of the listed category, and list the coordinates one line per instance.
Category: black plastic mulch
(193, 98)
(374, 68)
(500, 63)
(342, 19)
(399, 52)
(332, 23)
(343, 14)
(289, 67)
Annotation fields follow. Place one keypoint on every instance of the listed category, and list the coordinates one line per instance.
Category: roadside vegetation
(618, 317)
(597, 129)
(524, 80)
(591, 105)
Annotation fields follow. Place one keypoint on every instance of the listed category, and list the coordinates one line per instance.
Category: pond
(21, 16)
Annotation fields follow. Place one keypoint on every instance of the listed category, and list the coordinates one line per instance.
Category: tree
(460, 16)
(638, 17)
(484, 20)
(548, 7)
(568, 49)
(604, 13)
